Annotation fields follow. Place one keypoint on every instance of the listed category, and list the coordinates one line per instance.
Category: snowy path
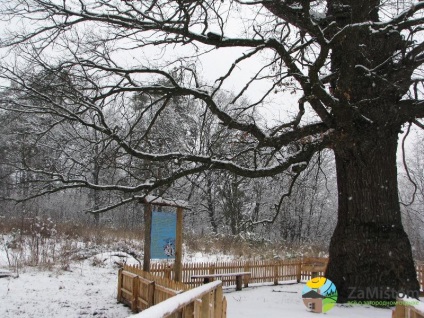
(286, 301)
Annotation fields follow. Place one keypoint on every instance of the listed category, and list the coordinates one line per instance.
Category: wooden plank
(239, 282)
(197, 309)
(171, 306)
(188, 311)
(205, 305)
(128, 274)
(276, 274)
(134, 294)
(144, 280)
(126, 291)
(261, 271)
(166, 290)
(299, 272)
(218, 302)
(167, 273)
(221, 275)
(119, 294)
(224, 308)
(151, 294)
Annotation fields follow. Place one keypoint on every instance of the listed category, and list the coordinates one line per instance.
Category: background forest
(296, 209)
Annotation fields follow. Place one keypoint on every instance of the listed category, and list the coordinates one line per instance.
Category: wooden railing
(403, 310)
(261, 271)
(141, 290)
(205, 301)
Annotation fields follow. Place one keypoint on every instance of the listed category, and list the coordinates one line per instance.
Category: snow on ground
(84, 291)
(286, 301)
(88, 289)
(199, 257)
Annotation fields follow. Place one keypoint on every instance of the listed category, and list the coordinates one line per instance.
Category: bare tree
(357, 65)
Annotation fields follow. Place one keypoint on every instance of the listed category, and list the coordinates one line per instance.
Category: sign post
(179, 246)
(148, 201)
(147, 236)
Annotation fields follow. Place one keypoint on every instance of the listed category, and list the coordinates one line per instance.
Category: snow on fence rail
(141, 290)
(206, 301)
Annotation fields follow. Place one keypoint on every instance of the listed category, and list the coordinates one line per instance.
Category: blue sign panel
(164, 226)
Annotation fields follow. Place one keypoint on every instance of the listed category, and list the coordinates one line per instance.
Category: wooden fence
(261, 271)
(206, 301)
(141, 290)
(407, 311)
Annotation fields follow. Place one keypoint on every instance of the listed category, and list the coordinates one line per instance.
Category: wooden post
(239, 282)
(189, 311)
(147, 236)
(276, 273)
(135, 288)
(205, 305)
(246, 277)
(400, 311)
(299, 272)
(246, 280)
(211, 271)
(179, 246)
(218, 302)
(197, 309)
(151, 294)
(119, 296)
(168, 272)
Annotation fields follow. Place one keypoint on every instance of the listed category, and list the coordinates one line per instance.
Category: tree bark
(370, 253)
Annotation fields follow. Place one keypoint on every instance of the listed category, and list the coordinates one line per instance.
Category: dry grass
(45, 243)
(249, 248)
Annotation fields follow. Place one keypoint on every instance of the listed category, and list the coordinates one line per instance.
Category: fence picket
(262, 271)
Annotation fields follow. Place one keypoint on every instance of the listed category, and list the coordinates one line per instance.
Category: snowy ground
(90, 291)
(286, 301)
(84, 291)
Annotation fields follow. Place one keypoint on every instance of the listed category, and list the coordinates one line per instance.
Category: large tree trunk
(370, 253)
